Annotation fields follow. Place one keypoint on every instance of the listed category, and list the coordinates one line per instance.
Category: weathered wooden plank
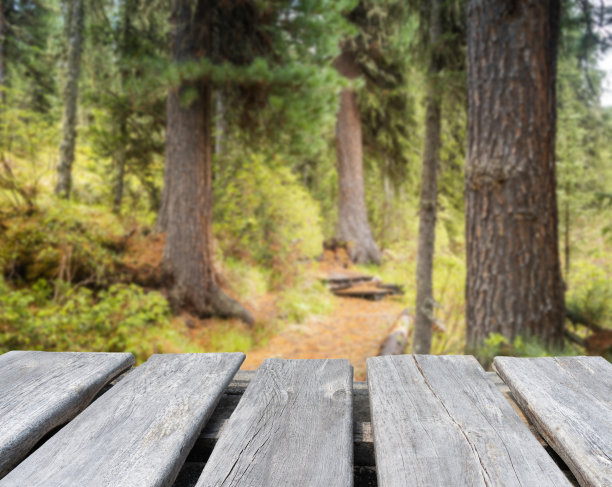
(42, 390)
(569, 400)
(438, 420)
(138, 433)
(293, 426)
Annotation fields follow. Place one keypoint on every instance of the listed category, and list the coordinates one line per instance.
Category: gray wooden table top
(42, 390)
(569, 400)
(425, 420)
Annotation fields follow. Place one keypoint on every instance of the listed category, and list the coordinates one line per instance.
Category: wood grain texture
(138, 433)
(439, 420)
(569, 400)
(293, 427)
(42, 390)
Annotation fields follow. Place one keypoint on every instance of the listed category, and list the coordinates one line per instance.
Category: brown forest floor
(354, 330)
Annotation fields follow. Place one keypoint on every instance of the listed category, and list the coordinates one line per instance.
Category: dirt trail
(354, 330)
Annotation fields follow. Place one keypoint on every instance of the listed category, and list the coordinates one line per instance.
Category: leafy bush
(123, 318)
(64, 240)
(590, 295)
(498, 345)
(247, 281)
(264, 213)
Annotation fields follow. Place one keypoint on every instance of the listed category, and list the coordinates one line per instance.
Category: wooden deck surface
(433, 420)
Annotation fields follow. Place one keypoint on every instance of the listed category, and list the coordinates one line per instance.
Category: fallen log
(396, 341)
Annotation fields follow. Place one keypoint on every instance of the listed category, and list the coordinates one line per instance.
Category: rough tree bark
(71, 94)
(187, 259)
(514, 283)
(353, 226)
(424, 312)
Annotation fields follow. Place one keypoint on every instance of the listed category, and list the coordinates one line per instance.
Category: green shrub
(590, 295)
(123, 318)
(63, 240)
(230, 339)
(246, 280)
(264, 213)
(498, 345)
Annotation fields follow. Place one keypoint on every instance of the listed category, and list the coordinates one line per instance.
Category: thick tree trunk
(514, 283)
(71, 93)
(187, 260)
(429, 194)
(353, 226)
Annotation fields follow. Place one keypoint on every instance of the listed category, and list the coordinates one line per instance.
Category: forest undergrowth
(78, 277)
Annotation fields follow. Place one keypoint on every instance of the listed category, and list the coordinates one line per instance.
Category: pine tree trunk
(220, 128)
(121, 159)
(124, 46)
(2, 55)
(567, 234)
(514, 283)
(187, 259)
(353, 226)
(71, 93)
(429, 194)
(387, 218)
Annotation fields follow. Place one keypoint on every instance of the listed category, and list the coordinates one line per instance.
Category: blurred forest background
(313, 121)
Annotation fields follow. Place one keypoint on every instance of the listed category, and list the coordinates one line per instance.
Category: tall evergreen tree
(252, 47)
(124, 96)
(187, 260)
(514, 281)
(353, 226)
(74, 32)
(429, 191)
(379, 126)
(26, 63)
(439, 19)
